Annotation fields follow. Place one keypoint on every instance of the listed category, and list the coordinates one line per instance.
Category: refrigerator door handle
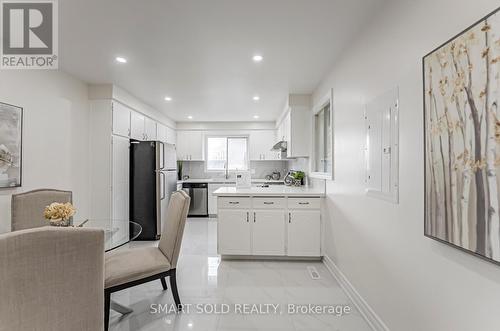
(162, 155)
(162, 185)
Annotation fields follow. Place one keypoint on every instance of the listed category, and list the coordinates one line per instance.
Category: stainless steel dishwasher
(199, 198)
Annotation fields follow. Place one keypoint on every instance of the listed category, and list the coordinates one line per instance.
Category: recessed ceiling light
(257, 58)
(256, 116)
(168, 99)
(121, 59)
(256, 98)
(190, 117)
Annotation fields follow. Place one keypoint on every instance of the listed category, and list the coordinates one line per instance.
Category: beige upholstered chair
(130, 267)
(52, 279)
(28, 207)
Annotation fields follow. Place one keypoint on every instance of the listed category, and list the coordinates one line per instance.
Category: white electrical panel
(381, 149)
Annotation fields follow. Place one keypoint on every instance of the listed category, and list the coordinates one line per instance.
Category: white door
(171, 137)
(161, 133)
(150, 129)
(137, 126)
(212, 199)
(269, 136)
(261, 142)
(233, 228)
(182, 145)
(195, 145)
(120, 184)
(304, 233)
(268, 232)
(121, 120)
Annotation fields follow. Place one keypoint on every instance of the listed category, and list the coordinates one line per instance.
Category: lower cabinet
(304, 233)
(268, 232)
(260, 227)
(233, 232)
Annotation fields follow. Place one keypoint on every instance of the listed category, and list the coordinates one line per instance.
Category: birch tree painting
(462, 140)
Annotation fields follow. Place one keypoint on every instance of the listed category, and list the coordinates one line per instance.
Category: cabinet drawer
(231, 203)
(268, 203)
(304, 203)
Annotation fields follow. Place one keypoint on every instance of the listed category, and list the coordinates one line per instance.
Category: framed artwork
(11, 125)
(462, 140)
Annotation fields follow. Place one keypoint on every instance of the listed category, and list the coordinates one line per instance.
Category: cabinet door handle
(289, 217)
(254, 217)
(233, 202)
(268, 203)
(303, 203)
(248, 217)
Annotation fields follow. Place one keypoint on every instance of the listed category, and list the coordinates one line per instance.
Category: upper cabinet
(161, 132)
(144, 128)
(165, 134)
(149, 129)
(121, 119)
(295, 128)
(171, 136)
(260, 143)
(137, 126)
(190, 145)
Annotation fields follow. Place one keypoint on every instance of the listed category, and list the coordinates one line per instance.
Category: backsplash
(196, 169)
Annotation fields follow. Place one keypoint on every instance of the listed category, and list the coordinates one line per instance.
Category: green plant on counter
(299, 175)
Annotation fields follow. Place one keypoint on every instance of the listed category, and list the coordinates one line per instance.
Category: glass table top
(116, 232)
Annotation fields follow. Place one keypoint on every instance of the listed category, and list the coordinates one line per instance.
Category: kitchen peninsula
(276, 221)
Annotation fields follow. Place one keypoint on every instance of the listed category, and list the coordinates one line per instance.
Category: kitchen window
(227, 152)
(323, 138)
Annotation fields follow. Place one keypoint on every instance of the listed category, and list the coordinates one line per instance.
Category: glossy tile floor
(207, 283)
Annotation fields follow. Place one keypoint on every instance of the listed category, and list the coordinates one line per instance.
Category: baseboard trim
(364, 308)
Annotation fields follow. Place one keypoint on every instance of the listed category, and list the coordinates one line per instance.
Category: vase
(60, 222)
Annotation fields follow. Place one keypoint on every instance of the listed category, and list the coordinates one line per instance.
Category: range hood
(280, 146)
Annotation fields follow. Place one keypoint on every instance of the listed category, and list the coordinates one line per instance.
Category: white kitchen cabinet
(109, 167)
(171, 136)
(137, 122)
(161, 132)
(212, 199)
(234, 232)
(268, 232)
(149, 129)
(294, 126)
(269, 226)
(261, 142)
(190, 145)
(304, 233)
(121, 119)
(120, 183)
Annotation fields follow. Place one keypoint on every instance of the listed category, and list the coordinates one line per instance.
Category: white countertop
(226, 181)
(273, 190)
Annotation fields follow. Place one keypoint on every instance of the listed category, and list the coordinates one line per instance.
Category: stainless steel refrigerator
(153, 178)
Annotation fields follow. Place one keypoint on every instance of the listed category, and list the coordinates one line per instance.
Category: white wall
(412, 282)
(55, 134)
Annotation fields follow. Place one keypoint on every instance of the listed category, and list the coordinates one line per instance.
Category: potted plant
(298, 177)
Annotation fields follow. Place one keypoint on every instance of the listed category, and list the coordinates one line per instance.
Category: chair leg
(175, 293)
(107, 302)
(164, 283)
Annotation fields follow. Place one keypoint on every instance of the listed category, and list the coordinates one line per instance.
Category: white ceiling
(200, 52)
